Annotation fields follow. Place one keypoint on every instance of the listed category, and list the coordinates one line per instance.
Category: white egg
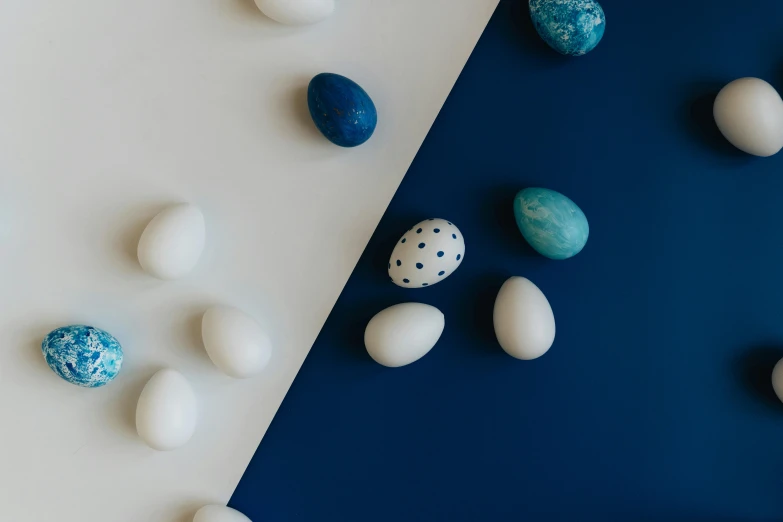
(524, 322)
(166, 413)
(426, 254)
(172, 243)
(749, 113)
(296, 12)
(217, 513)
(235, 342)
(403, 333)
(777, 379)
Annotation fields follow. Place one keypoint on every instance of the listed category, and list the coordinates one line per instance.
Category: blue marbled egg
(341, 110)
(553, 224)
(83, 355)
(570, 27)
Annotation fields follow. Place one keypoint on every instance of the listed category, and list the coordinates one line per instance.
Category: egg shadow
(698, 121)
(753, 370)
(124, 239)
(351, 321)
(120, 412)
(500, 224)
(249, 8)
(383, 242)
(192, 332)
(186, 321)
(297, 103)
(517, 13)
(379, 251)
(184, 512)
(767, 46)
(32, 351)
(777, 79)
(287, 105)
(475, 320)
(245, 11)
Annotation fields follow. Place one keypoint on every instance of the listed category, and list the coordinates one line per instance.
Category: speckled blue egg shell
(341, 110)
(553, 224)
(570, 27)
(83, 355)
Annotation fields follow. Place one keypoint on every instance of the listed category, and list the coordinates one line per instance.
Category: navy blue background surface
(654, 402)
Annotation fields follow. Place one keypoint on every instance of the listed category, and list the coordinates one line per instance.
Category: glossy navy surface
(654, 402)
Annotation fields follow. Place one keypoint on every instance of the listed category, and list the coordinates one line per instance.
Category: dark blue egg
(341, 110)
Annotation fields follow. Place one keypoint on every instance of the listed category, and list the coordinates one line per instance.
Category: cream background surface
(110, 110)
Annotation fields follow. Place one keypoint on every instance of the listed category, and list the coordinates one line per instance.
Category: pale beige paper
(111, 109)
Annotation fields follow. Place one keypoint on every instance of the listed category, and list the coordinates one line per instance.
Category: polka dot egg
(426, 254)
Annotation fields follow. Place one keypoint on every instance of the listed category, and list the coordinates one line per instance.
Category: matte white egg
(171, 245)
(524, 322)
(777, 379)
(403, 333)
(749, 113)
(235, 342)
(426, 254)
(296, 12)
(215, 513)
(167, 411)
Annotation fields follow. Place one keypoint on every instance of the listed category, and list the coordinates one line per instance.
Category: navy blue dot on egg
(390, 266)
(452, 235)
(459, 256)
(418, 231)
(399, 262)
(422, 245)
(440, 254)
(437, 230)
(431, 219)
(419, 266)
(406, 280)
(403, 240)
(441, 272)
(391, 279)
(424, 284)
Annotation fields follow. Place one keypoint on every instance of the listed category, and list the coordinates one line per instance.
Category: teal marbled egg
(553, 224)
(570, 27)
